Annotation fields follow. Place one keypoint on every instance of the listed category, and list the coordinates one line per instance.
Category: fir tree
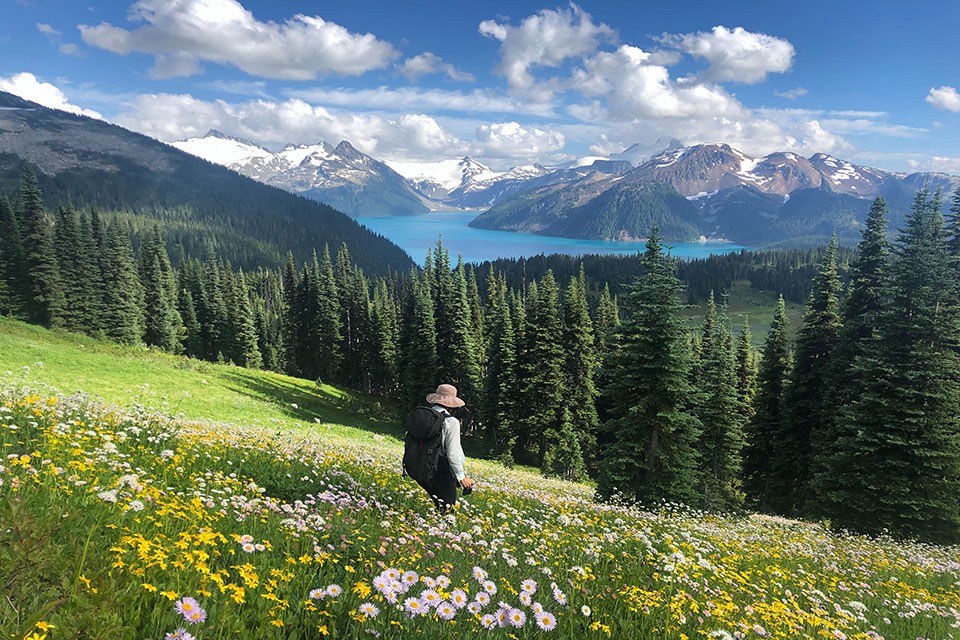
(123, 299)
(719, 412)
(214, 320)
(953, 229)
(580, 365)
(383, 336)
(246, 347)
(543, 385)
(328, 321)
(477, 328)
(768, 417)
(13, 279)
(608, 318)
(94, 286)
(160, 329)
(651, 455)
(500, 409)
(291, 318)
(912, 453)
(564, 457)
(457, 361)
(420, 360)
(43, 296)
(837, 473)
(66, 245)
(191, 342)
(805, 409)
(746, 370)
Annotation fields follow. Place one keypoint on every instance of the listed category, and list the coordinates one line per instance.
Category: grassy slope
(760, 305)
(200, 390)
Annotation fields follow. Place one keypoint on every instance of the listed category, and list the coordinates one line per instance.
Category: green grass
(197, 389)
(743, 300)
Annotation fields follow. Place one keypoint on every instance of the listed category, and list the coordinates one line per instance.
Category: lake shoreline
(417, 234)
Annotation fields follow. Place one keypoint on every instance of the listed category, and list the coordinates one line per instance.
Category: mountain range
(360, 185)
(712, 191)
(198, 205)
(705, 191)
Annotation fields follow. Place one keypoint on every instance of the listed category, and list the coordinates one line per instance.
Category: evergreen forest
(584, 368)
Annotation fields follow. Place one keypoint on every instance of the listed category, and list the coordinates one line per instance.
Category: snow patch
(223, 151)
(703, 194)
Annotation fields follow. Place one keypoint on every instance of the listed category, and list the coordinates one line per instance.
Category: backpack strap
(446, 414)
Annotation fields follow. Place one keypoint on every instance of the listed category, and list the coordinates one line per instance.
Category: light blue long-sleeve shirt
(451, 444)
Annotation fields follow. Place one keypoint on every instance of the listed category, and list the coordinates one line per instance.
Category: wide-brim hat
(446, 396)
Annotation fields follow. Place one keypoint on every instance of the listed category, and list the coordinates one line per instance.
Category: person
(450, 472)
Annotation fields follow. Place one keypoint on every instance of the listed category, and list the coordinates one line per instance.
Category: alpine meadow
(730, 410)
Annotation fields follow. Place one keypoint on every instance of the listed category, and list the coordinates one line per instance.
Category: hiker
(432, 452)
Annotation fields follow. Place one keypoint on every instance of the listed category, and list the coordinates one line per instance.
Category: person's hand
(467, 483)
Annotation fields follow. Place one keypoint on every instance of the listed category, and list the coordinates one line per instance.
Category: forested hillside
(145, 184)
(858, 421)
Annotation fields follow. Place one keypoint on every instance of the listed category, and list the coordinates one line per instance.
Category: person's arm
(451, 444)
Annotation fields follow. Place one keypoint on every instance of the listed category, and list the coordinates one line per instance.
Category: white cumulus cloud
(27, 86)
(944, 98)
(547, 38)
(176, 116)
(180, 33)
(736, 55)
(429, 63)
(511, 140)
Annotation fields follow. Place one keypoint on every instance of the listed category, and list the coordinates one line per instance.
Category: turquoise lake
(416, 234)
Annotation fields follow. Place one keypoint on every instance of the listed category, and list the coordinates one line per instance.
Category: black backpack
(423, 444)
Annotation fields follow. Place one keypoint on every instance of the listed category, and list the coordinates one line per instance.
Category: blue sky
(507, 82)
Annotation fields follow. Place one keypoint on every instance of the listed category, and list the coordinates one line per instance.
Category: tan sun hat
(446, 395)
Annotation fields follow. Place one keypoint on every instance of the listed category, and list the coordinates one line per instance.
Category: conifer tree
(516, 441)
(420, 360)
(608, 318)
(66, 245)
(768, 418)
(162, 325)
(191, 342)
(477, 328)
(543, 391)
(953, 229)
(328, 321)
(291, 318)
(912, 475)
(214, 320)
(564, 457)
(308, 304)
(837, 491)
(500, 409)
(651, 455)
(160, 329)
(805, 411)
(123, 299)
(13, 279)
(43, 296)
(383, 340)
(246, 342)
(91, 265)
(721, 441)
(580, 365)
(746, 370)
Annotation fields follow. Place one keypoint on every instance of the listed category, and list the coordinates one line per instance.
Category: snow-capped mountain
(465, 183)
(341, 176)
(753, 200)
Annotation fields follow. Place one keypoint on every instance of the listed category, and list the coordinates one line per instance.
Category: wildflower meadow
(124, 522)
